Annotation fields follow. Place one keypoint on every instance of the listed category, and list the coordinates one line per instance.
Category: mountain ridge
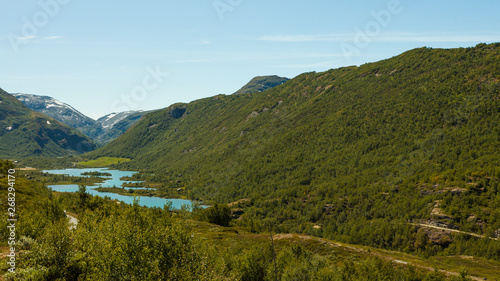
(355, 150)
(108, 127)
(26, 133)
(62, 112)
(99, 130)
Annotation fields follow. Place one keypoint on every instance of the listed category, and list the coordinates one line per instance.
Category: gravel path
(453, 230)
(73, 222)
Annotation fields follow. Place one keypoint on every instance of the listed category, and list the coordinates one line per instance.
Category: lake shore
(143, 192)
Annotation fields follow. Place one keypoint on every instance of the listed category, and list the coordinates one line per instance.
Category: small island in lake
(96, 174)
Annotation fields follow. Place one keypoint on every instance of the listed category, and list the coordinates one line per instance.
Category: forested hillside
(26, 133)
(109, 241)
(358, 154)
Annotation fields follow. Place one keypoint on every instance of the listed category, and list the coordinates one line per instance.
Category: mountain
(112, 125)
(418, 101)
(115, 124)
(110, 120)
(364, 153)
(26, 133)
(261, 84)
(101, 131)
(63, 113)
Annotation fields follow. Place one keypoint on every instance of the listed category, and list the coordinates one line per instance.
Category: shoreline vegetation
(143, 192)
(96, 174)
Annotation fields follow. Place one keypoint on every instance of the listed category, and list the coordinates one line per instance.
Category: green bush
(217, 214)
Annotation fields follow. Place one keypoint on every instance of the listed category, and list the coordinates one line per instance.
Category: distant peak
(261, 83)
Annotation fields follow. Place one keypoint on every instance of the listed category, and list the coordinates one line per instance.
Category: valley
(384, 171)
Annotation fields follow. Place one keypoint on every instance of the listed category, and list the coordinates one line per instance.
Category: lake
(113, 181)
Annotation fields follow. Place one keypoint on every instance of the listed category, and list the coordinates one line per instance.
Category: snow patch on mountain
(102, 130)
(61, 112)
(110, 120)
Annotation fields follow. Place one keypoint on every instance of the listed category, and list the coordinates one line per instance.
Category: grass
(451, 265)
(102, 162)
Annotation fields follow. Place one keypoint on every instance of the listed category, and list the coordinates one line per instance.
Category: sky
(111, 56)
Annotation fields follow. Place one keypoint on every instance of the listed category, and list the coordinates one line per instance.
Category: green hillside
(120, 242)
(25, 133)
(355, 154)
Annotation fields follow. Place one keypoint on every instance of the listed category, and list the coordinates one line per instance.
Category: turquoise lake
(113, 181)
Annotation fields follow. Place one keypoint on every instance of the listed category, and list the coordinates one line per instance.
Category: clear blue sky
(98, 56)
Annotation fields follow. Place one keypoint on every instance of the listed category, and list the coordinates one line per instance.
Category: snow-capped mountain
(103, 130)
(116, 124)
(63, 113)
(25, 133)
(110, 120)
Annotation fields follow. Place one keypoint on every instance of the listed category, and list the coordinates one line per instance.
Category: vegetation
(49, 163)
(397, 160)
(103, 162)
(56, 179)
(217, 214)
(364, 155)
(261, 84)
(134, 191)
(147, 187)
(120, 242)
(96, 174)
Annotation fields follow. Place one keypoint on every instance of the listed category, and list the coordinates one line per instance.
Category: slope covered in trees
(120, 242)
(26, 133)
(356, 152)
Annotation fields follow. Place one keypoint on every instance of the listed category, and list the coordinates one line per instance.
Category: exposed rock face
(235, 213)
(440, 237)
(438, 212)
